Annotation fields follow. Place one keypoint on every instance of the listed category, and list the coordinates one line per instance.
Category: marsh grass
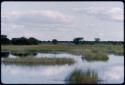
(80, 77)
(42, 60)
(91, 52)
(92, 55)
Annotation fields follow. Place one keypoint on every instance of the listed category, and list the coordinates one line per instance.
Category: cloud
(33, 23)
(100, 34)
(36, 17)
(106, 13)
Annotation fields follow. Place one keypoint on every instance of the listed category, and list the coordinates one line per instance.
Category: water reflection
(110, 71)
(114, 74)
(44, 74)
(5, 54)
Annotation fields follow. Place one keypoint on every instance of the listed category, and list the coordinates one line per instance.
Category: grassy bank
(91, 52)
(36, 61)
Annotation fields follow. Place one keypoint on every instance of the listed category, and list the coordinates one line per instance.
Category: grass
(42, 60)
(91, 52)
(98, 55)
(80, 77)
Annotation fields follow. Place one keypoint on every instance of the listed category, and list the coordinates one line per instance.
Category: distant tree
(54, 41)
(77, 40)
(33, 41)
(24, 41)
(4, 39)
(3, 36)
(97, 39)
(14, 40)
(20, 41)
(48, 41)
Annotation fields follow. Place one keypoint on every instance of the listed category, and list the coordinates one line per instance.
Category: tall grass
(80, 77)
(91, 52)
(92, 55)
(42, 61)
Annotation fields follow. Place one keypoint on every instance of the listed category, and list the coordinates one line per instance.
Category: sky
(63, 21)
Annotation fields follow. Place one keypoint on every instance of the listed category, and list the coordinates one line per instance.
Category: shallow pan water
(110, 71)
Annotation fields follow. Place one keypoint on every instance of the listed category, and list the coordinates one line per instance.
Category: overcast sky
(63, 20)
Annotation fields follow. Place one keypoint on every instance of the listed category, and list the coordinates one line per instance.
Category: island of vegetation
(90, 50)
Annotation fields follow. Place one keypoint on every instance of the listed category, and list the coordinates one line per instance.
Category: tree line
(19, 41)
(34, 41)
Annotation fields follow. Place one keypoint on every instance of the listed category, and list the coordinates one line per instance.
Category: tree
(4, 39)
(20, 41)
(97, 39)
(54, 41)
(15, 41)
(77, 40)
(24, 41)
(33, 41)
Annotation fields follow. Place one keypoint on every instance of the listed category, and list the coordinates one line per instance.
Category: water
(110, 71)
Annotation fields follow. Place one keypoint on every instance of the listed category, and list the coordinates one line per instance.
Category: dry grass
(91, 52)
(80, 77)
(42, 60)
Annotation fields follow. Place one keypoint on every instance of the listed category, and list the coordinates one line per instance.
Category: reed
(42, 60)
(80, 77)
(89, 51)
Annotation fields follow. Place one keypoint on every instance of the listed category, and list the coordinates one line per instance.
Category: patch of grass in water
(80, 77)
(95, 55)
(42, 60)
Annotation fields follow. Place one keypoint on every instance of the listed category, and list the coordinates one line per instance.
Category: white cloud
(36, 17)
(90, 24)
(116, 13)
(100, 34)
(33, 23)
(48, 21)
(110, 13)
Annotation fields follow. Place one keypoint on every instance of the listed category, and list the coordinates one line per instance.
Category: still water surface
(110, 71)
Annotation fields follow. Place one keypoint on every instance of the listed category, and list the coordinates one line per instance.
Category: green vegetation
(97, 51)
(92, 55)
(19, 41)
(78, 40)
(97, 40)
(36, 61)
(54, 41)
(80, 77)
(91, 50)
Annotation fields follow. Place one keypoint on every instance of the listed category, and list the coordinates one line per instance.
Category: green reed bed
(42, 60)
(80, 77)
(97, 51)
